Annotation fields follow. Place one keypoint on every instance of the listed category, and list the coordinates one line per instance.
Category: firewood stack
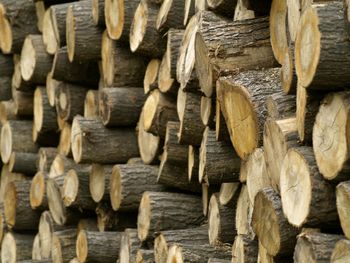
(175, 131)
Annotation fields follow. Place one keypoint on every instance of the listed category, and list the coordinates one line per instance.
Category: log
(128, 182)
(167, 238)
(221, 227)
(221, 130)
(150, 81)
(281, 106)
(189, 112)
(75, 190)
(17, 210)
(98, 246)
(144, 256)
(157, 111)
(98, 12)
(245, 250)
(217, 42)
(6, 65)
(319, 68)
(120, 66)
(270, 225)
(207, 192)
(341, 251)
(218, 160)
(37, 193)
(21, 162)
(119, 15)
(35, 62)
(174, 152)
(315, 247)
(40, 12)
(91, 107)
(63, 245)
(99, 182)
(193, 164)
(167, 73)
(83, 37)
(46, 157)
(17, 19)
(80, 73)
(16, 136)
(244, 213)
(228, 194)
(218, 260)
(208, 107)
(342, 194)
(161, 211)
(121, 106)
(129, 244)
(64, 145)
(247, 90)
(16, 247)
(8, 177)
(171, 15)
(36, 251)
(288, 73)
(279, 136)
(329, 137)
(222, 7)
(92, 142)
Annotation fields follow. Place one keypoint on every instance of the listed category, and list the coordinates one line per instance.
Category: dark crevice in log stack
(91, 107)
(150, 81)
(193, 164)
(129, 245)
(223, 7)
(98, 12)
(21, 162)
(64, 245)
(16, 247)
(218, 161)
(260, 8)
(170, 15)
(281, 106)
(99, 181)
(343, 204)
(161, 211)
(242, 11)
(245, 250)
(229, 193)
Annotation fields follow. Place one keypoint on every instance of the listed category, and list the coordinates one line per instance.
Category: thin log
(343, 203)
(98, 12)
(170, 15)
(99, 181)
(221, 130)
(150, 81)
(174, 152)
(23, 103)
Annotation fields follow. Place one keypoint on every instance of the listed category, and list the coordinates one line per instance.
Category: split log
(218, 160)
(17, 19)
(222, 7)
(330, 135)
(35, 62)
(98, 246)
(52, 86)
(343, 204)
(63, 245)
(244, 212)
(279, 136)
(121, 106)
(189, 112)
(144, 256)
(171, 15)
(46, 157)
(245, 250)
(129, 245)
(91, 107)
(21, 162)
(37, 193)
(128, 182)
(270, 225)
(326, 66)
(120, 66)
(191, 7)
(217, 42)
(75, 189)
(193, 164)
(16, 247)
(281, 106)
(119, 15)
(229, 193)
(17, 210)
(144, 37)
(98, 12)
(174, 152)
(16, 136)
(167, 73)
(6, 65)
(150, 81)
(167, 238)
(64, 145)
(150, 146)
(341, 251)
(156, 213)
(207, 192)
(208, 107)
(158, 110)
(83, 37)
(92, 142)
(81, 73)
(315, 247)
(6, 88)
(257, 177)
(221, 226)
(245, 94)
(99, 182)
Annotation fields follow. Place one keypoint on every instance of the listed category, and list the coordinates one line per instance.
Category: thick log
(161, 211)
(63, 245)
(167, 238)
(327, 65)
(64, 145)
(222, 7)
(92, 142)
(81, 73)
(16, 136)
(129, 245)
(150, 81)
(91, 107)
(242, 11)
(17, 19)
(281, 106)
(279, 136)
(98, 246)
(7, 111)
(99, 182)
(193, 164)
(21, 162)
(144, 37)
(35, 62)
(343, 204)
(217, 42)
(61, 165)
(315, 247)
(37, 194)
(83, 37)
(218, 160)
(16, 247)
(288, 73)
(245, 250)
(120, 66)
(171, 15)
(167, 73)
(208, 107)
(245, 94)
(128, 182)
(158, 110)
(46, 157)
(329, 137)
(270, 225)
(341, 251)
(244, 212)
(17, 210)
(121, 106)
(6, 65)
(98, 12)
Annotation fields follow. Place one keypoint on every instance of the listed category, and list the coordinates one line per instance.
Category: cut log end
(151, 75)
(287, 73)
(175, 255)
(70, 188)
(115, 188)
(65, 136)
(91, 104)
(97, 182)
(138, 27)
(76, 141)
(144, 217)
(6, 142)
(10, 203)
(5, 32)
(227, 192)
(214, 220)
(107, 50)
(150, 108)
(82, 246)
(8, 249)
(28, 59)
(165, 81)
(114, 15)
(70, 33)
(37, 190)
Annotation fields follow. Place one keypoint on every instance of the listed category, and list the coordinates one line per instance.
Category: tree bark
(63, 245)
(129, 246)
(171, 15)
(6, 65)
(174, 152)
(150, 81)
(6, 89)
(46, 157)
(144, 256)
(21, 162)
(244, 213)
(98, 12)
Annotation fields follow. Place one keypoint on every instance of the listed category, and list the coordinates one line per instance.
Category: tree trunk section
(23, 163)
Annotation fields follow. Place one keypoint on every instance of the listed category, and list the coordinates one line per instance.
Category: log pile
(175, 131)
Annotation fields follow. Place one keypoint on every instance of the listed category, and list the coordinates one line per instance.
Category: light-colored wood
(341, 252)
(244, 212)
(244, 250)
(343, 204)
(150, 81)
(98, 12)
(16, 247)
